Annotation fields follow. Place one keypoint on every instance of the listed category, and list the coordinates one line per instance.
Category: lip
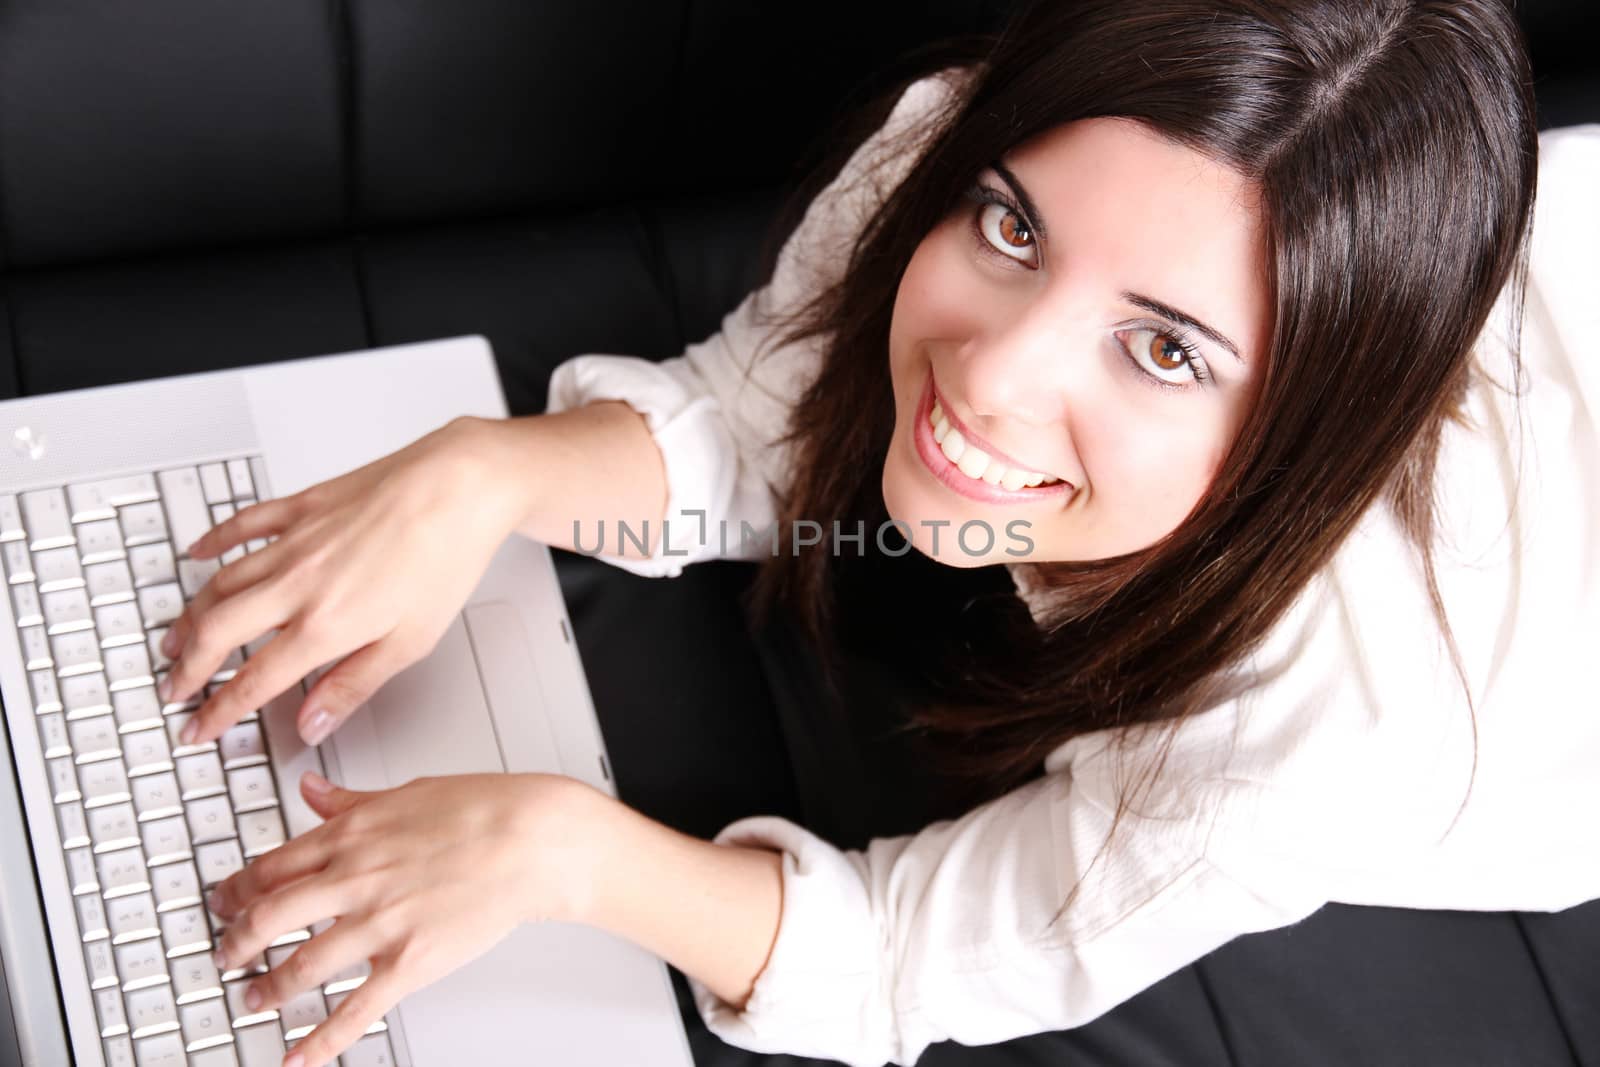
(974, 489)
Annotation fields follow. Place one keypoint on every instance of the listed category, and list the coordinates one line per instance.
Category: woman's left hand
(420, 878)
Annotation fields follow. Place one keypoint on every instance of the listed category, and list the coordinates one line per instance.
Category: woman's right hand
(368, 568)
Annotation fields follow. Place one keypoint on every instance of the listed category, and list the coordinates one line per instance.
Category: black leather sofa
(187, 185)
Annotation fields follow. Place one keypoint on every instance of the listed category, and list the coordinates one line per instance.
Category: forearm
(567, 471)
(712, 911)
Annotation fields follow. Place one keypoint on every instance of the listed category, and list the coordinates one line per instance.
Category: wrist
(485, 454)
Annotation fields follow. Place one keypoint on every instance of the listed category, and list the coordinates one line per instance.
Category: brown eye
(1007, 232)
(1166, 353)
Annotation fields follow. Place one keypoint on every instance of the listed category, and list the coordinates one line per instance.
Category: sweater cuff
(695, 444)
(824, 975)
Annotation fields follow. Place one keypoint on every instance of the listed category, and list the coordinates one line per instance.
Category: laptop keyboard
(96, 572)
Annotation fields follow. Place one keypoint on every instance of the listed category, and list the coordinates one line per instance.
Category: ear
(325, 798)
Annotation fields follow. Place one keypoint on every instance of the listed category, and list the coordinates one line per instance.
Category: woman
(1211, 291)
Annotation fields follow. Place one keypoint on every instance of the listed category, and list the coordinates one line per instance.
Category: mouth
(970, 469)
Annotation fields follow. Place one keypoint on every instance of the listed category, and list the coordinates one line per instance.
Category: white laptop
(104, 942)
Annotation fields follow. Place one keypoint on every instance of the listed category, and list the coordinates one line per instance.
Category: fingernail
(317, 725)
(294, 1059)
(214, 902)
(190, 729)
(169, 644)
(252, 998)
(195, 544)
(164, 689)
(220, 960)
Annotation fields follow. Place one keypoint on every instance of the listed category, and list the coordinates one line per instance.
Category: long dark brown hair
(1394, 145)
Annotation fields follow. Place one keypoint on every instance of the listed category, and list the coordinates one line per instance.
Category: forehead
(1138, 212)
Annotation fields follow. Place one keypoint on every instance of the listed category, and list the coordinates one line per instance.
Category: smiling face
(1090, 323)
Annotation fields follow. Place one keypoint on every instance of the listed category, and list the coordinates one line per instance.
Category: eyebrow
(1150, 304)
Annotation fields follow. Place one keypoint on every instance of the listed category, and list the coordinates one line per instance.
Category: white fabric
(1331, 770)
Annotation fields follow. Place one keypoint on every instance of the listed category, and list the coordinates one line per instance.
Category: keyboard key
(25, 606)
(233, 992)
(104, 782)
(19, 564)
(205, 1024)
(141, 964)
(63, 780)
(152, 564)
(186, 504)
(214, 483)
(241, 745)
(146, 752)
(193, 574)
(218, 860)
(35, 648)
(119, 1052)
(160, 604)
(118, 624)
(239, 475)
(46, 696)
(175, 724)
(122, 873)
(142, 524)
(259, 1046)
(221, 513)
(44, 514)
(132, 918)
(113, 827)
(186, 930)
(260, 831)
(98, 958)
(57, 568)
(75, 653)
(300, 1014)
(94, 738)
(108, 1006)
(210, 819)
(10, 519)
(344, 981)
(160, 1051)
(53, 737)
(82, 874)
(108, 583)
(67, 610)
(165, 840)
(85, 695)
(155, 796)
(194, 977)
(136, 709)
(70, 821)
(100, 499)
(128, 666)
(252, 787)
(99, 542)
(92, 917)
(152, 1011)
(371, 1051)
(221, 1055)
(175, 885)
(200, 775)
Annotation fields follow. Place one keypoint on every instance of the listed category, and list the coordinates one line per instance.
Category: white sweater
(1332, 771)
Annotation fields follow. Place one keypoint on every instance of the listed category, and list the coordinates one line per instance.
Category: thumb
(345, 688)
(325, 798)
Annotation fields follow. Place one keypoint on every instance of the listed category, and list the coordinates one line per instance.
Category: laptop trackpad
(431, 718)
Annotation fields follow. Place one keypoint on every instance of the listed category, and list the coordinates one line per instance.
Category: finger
(291, 907)
(341, 946)
(325, 798)
(264, 519)
(292, 860)
(349, 684)
(344, 1026)
(191, 657)
(276, 666)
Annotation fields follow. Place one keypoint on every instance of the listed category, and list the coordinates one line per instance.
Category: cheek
(1147, 481)
(934, 300)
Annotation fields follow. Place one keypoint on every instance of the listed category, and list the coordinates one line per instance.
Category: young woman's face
(1097, 316)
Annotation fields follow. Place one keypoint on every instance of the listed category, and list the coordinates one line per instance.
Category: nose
(1029, 365)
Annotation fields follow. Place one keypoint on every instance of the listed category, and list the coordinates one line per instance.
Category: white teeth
(976, 463)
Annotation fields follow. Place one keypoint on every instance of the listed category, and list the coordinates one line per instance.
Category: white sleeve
(716, 411)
